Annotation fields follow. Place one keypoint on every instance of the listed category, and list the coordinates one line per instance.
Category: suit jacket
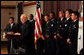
(32, 27)
(25, 31)
(28, 39)
(8, 28)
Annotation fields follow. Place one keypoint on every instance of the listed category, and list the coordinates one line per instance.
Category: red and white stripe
(38, 29)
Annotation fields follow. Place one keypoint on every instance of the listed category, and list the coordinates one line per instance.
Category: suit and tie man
(73, 33)
(11, 28)
(32, 27)
(32, 23)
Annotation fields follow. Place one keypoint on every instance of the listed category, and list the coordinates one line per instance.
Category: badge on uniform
(74, 26)
(51, 25)
(65, 25)
(60, 26)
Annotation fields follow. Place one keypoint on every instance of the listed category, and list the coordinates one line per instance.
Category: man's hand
(55, 36)
(59, 36)
(11, 32)
(17, 34)
(68, 41)
(42, 37)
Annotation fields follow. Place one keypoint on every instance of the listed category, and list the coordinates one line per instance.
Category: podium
(12, 36)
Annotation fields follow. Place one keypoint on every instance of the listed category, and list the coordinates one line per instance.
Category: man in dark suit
(61, 37)
(32, 27)
(73, 33)
(11, 28)
(27, 40)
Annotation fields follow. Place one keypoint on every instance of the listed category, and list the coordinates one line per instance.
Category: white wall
(5, 16)
(31, 9)
(27, 10)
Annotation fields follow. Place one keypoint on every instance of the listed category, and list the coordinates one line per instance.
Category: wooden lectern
(12, 36)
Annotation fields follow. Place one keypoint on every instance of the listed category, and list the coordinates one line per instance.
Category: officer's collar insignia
(65, 24)
(51, 25)
(74, 26)
(60, 26)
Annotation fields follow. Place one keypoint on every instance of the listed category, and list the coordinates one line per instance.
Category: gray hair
(23, 15)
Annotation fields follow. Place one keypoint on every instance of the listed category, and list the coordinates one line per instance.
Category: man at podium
(10, 28)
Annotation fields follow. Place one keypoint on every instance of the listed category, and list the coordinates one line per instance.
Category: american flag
(38, 29)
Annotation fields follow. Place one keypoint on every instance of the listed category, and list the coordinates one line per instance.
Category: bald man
(27, 41)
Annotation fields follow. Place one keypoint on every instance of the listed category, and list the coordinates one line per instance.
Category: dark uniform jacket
(61, 27)
(52, 28)
(73, 31)
(67, 24)
(73, 35)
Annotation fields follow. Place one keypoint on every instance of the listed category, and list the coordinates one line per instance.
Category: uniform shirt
(68, 18)
(31, 20)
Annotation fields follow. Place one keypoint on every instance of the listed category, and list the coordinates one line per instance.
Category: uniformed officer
(67, 22)
(52, 27)
(73, 33)
(60, 34)
(45, 33)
